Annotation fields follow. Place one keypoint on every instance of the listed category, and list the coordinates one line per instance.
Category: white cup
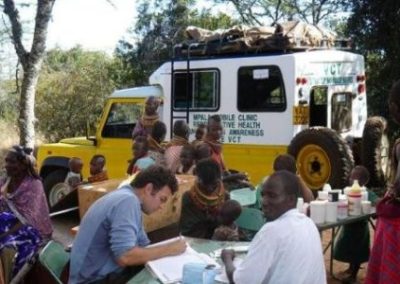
(366, 206)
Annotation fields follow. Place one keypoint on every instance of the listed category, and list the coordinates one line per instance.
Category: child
(97, 171)
(228, 230)
(200, 133)
(74, 176)
(352, 245)
(187, 158)
(140, 152)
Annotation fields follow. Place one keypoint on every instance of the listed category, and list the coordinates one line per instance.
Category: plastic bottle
(300, 204)
(342, 208)
(354, 198)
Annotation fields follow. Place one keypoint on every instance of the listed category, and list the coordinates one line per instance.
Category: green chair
(251, 219)
(54, 258)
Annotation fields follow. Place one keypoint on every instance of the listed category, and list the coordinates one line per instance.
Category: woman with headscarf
(24, 214)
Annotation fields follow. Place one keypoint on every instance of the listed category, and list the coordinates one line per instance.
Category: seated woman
(24, 215)
(201, 204)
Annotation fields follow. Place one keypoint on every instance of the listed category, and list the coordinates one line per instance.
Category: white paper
(170, 269)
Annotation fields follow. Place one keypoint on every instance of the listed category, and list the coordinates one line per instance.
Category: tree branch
(16, 28)
(43, 15)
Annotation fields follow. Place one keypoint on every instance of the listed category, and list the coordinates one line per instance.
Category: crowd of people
(112, 246)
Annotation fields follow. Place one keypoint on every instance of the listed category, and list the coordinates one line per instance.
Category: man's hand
(227, 254)
(177, 247)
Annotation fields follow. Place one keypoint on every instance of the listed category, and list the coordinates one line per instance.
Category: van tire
(52, 179)
(375, 151)
(322, 156)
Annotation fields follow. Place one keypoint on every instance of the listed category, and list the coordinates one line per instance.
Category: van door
(341, 111)
(319, 106)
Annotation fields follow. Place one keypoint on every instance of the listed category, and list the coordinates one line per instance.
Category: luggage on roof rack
(286, 37)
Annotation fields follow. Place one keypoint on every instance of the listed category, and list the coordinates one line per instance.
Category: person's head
(155, 185)
(202, 151)
(159, 131)
(285, 162)
(200, 131)
(208, 175)
(214, 128)
(279, 194)
(187, 156)
(229, 212)
(97, 164)
(19, 162)
(394, 102)
(151, 105)
(359, 173)
(181, 129)
(75, 165)
(140, 147)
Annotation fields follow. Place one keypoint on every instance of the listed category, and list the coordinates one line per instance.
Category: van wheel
(375, 151)
(52, 186)
(322, 156)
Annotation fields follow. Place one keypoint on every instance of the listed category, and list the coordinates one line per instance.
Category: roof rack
(286, 38)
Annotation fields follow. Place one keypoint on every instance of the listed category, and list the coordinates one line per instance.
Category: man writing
(287, 249)
(110, 245)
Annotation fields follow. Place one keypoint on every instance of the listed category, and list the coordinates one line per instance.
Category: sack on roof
(288, 35)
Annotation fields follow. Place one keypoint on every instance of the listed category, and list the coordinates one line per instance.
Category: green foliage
(256, 12)
(374, 27)
(160, 25)
(9, 101)
(71, 91)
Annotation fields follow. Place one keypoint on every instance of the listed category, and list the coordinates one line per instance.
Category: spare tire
(375, 151)
(322, 156)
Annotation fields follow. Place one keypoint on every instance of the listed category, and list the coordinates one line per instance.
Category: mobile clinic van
(281, 97)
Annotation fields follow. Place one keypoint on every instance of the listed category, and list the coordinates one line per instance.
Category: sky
(93, 24)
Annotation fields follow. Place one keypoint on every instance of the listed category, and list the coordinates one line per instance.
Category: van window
(261, 88)
(121, 120)
(203, 86)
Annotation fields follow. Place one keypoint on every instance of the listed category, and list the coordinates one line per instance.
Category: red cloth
(384, 262)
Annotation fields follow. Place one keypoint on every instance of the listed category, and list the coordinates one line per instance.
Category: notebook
(170, 269)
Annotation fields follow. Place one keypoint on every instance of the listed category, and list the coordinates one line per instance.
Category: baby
(228, 230)
(74, 176)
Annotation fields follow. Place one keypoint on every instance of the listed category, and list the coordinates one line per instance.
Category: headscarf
(24, 155)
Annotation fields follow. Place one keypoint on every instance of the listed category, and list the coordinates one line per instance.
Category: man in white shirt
(288, 248)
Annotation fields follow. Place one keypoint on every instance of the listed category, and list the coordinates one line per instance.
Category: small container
(331, 212)
(366, 206)
(300, 204)
(333, 196)
(354, 198)
(322, 195)
(342, 208)
(318, 211)
(326, 187)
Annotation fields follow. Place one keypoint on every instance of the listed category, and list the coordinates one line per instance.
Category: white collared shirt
(287, 250)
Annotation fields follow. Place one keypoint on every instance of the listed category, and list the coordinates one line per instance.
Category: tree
(160, 25)
(255, 12)
(71, 91)
(373, 27)
(30, 60)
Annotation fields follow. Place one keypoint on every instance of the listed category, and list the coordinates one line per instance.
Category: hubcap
(58, 192)
(314, 166)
